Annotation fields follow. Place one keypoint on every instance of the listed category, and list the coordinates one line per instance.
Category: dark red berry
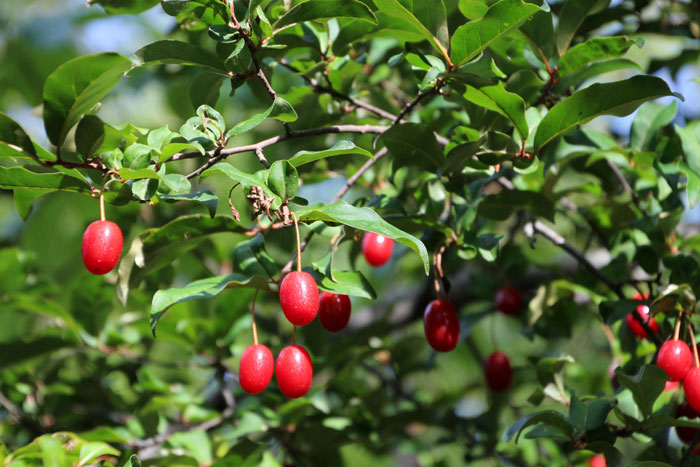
(334, 311)
(675, 358)
(255, 371)
(508, 300)
(294, 371)
(691, 387)
(597, 461)
(441, 325)
(635, 327)
(377, 248)
(299, 298)
(686, 434)
(498, 372)
(102, 246)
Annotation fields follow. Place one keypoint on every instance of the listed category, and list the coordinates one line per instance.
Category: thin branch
(163, 437)
(356, 176)
(625, 184)
(413, 103)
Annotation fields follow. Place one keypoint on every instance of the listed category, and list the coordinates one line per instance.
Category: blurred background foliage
(74, 359)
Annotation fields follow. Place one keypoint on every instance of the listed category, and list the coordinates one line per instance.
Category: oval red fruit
(299, 298)
(294, 371)
(508, 300)
(686, 434)
(334, 311)
(597, 461)
(377, 248)
(102, 246)
(691, 387)
(441, 325)
(256, 368)
(675, 358)
(498, 372)
(635, 327)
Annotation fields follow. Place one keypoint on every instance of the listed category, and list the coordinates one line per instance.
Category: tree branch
(413, 103)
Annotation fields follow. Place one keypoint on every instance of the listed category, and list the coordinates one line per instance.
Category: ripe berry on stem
(334, 311)
(643, 312)
(294, 371)
(102, 246)
(256, 368)
(498, 372)
(508, 300)
(675, 357)
(597, 461)
(441, 325)
(377, 248)
(691, 382)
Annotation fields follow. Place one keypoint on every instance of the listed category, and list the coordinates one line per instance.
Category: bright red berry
(686, 434)
(675, 358)
(635, 327)
(255, 371)
(597, 461)
(498, 372)
(294, 371)
(671, 385)
(441, 325)
(691, 387)
(508, 300)
(102, 246)
(299, 298)
(334, 311)
(377, 248)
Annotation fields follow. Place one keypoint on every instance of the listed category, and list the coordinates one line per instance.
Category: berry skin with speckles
(294, 371)
(299, 298)
(256, 368)
(377, 248)
(102, 246)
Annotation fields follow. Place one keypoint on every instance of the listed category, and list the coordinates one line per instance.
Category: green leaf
(324, 9)
(593, 50)
(692, 190)
(53, 453)
(594, 70)
(14, 141)
(123, 7)
(89, 135)
(548, 417)
(473, 9)
(197, 443)
(19, 177)
(346, 282)
(356, 30)
(280, 110)
(650, 118)
(205, 88)
(206, 198)
(365, 219)
(502, 205)
(75, 87)
(133, 461)
(224, 168)
(159, 137)
(690, 139)
(413, 144)
(203, 288)
(129, 174)
(470, 39)
(283, 179)
(586, 417)
(251, 259)
(91, 450)
(137, 156)
(497, 99)
(338, 149)
(182, 53)
(426, 17)
(646, 386)
(173, 148)
(571, 17)
(16, 352)
(619, 98)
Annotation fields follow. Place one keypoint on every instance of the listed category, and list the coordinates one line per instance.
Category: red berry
(686, 434)
(671, 385)
(294, 371)
(299, 298)
(691, 387)
(635, 327)
(508, 300)
(255, 371)
(102, 246)
(377, 248)
(441, 325)
(597, 461)
(334, 311)
(499, 375)
(675, 358)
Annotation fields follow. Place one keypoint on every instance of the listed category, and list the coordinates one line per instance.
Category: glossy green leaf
(646, 386)
(585, 417)
(473, 9)
(91, 450)
(174, 148)
(19, 177)
(365, 219)
(426, 17)
(413, 144)
(593, 50)
(547, 417)
(571, 17)
(14, 141)
(133, 461)
(619, 98)
(692, 190)
(650, 118)
(690, 139)
(90, 135)
(343, 282)
(224, 168)
(338, 149)
(283, 179)
(324, 9)
(182, 53)
(206, 198)
(497, 99)
(470, 39)
(197, 443)
(251, 259)
(75, 87)
(280, 110)
(203, 288)
(594, 70)
(357, 30)
(124, 7)
(205, 88)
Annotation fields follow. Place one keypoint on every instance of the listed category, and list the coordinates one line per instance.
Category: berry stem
(677, 332)
(438, 274)
(296, 228)
(695, 348)
(255, 327)
(102, 206)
